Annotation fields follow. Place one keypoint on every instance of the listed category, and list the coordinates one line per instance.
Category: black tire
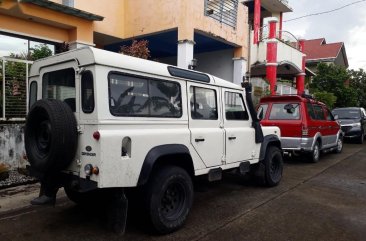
(315, 154)
(339, 146)
(50, 136)
(273, 166)
(169, 198)
(360, 139)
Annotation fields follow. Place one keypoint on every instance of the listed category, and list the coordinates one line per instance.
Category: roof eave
(65, 9)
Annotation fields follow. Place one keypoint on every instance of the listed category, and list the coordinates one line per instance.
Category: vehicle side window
(203, 103)
(311, 111)
(87, 92)
(285, 111)
(234, 107)
(32, 93)
(329, 115)
(319, 113)
(60, 85)
(262, 111)
(131, 95)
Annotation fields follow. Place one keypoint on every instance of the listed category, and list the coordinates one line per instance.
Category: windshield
(347, 113)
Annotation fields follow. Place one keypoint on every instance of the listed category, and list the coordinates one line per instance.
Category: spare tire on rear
(50, 136)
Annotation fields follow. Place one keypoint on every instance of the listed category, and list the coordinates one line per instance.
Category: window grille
(224, 11)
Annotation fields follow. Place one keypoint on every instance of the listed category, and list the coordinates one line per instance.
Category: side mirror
(336, 117)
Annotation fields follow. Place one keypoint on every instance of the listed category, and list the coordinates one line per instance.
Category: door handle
(199, 139)
(232, 138)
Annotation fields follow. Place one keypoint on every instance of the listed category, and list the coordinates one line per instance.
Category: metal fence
(224, 11)
(14, 88)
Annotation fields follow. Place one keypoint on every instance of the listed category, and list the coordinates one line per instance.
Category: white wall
(12, 145)
(218, 63)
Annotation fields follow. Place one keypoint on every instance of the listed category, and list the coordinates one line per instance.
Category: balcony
(289, 57)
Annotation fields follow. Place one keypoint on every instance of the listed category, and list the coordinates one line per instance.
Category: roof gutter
(64, 9)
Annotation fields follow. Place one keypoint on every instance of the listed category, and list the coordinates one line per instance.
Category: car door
(239, 134)
(320, 124)
(205, 123)
(363, 120)
(332, 127)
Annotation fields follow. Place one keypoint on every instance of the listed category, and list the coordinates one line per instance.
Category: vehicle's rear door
(320, 124)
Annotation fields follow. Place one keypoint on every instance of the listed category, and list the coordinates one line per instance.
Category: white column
(240, 68)
(185, 53)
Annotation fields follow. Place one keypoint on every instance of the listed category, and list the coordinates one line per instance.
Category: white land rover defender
(102, 122)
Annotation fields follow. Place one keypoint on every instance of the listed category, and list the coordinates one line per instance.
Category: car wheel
(273, 163)
(315, 154)
(360, 139)
(50, 130)
(169, 199)
(339, 145)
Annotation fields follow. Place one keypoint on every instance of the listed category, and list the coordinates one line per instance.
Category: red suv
(306, 125)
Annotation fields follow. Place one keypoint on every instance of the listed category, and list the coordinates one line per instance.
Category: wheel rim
(316, 152)
(340, 145)
(275, 167)
(173, 200)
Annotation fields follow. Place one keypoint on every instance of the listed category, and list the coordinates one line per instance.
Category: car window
(285, 111)
(131, 95)
(234, 107)
(60, 85)
(203, 103)
(262, 111)
(87, 92)
(310, 111)
(347, 113)
(319, 113)
(328, 115)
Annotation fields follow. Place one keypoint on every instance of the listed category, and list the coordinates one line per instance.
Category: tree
(358, 83)
(40, 51)
(328, 98)
(331, 79)
(138, 48)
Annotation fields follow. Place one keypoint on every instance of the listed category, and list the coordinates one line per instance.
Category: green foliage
(328, 98)
(40, 51)
(358, 83)
(332, 78)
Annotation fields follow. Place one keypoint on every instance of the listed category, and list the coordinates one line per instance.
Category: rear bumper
(297, 143)
(77, 183)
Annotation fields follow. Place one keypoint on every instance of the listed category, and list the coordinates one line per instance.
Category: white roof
(90, 56)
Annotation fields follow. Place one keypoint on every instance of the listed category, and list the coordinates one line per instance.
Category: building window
(224, 11)
(69, 3)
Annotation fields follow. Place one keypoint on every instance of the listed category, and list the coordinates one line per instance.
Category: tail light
(304, 131)
(96, 135)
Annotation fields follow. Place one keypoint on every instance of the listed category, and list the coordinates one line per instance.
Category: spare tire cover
(50, 136)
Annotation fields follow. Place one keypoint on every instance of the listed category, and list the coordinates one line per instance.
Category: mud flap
(117, 211)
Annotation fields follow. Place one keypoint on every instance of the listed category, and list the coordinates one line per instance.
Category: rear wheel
(273, 166)
(315, 154)
(169, 198)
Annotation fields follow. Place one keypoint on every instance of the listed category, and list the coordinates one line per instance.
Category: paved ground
(322, 201)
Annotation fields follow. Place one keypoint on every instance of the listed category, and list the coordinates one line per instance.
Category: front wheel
(169, 198)
(360, 139)
(273, 163)
(339, 145)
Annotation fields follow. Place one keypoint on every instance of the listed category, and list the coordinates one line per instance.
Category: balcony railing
(224, 11)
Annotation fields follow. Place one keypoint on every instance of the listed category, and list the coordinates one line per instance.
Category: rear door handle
(199, 139)
(232, 138)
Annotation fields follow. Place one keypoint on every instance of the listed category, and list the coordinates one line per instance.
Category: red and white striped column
(300, 78)
(271, 65)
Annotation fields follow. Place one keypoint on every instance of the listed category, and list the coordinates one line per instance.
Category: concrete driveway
(321, 201)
